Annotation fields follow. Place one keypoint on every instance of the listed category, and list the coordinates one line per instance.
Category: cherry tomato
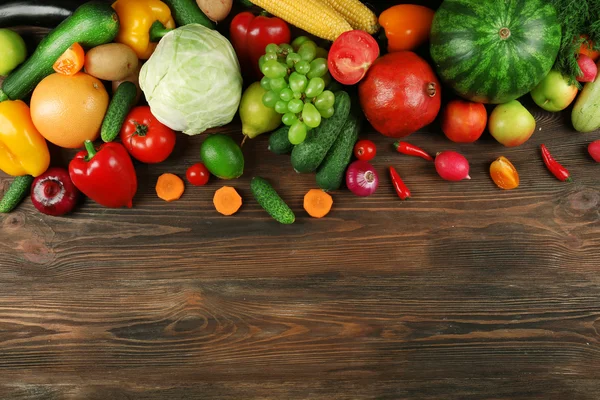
(197, 174)
(504, 174)
(351, 56)
(365, 150)
(464, 121)
(406, 26)
(145, 137)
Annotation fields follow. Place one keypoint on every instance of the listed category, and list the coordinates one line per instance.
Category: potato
(134, 78)
(216, 10)
(111, 62)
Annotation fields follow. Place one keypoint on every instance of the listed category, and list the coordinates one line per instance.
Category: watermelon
(494, 51)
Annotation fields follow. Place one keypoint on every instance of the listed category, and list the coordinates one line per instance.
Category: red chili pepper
(106, 176)
(412, 150)
(399, 185)
(250, 34)
(560, 172)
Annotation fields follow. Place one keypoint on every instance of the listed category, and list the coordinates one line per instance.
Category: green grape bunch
(295, 78)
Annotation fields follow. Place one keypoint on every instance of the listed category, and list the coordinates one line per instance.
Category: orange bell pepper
(23, 150)
(406, 26)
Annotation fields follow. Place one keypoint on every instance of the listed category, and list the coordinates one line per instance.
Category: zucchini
(331, 172)
(91, 25)
(308, 155)
(46, 14)
(586, 112)
(270, 201)
(19, 188)
(187, 12)
(120, 105)
(279, 143)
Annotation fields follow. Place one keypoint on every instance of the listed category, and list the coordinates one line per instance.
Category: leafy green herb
(577, 17)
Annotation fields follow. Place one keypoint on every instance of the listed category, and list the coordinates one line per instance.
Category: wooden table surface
(464, 292)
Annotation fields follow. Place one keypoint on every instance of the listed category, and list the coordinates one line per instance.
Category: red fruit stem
(412, 150)
(401, 189)
(89, 146)
(560, 172)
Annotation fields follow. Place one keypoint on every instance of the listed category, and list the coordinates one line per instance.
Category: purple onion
(361, 178)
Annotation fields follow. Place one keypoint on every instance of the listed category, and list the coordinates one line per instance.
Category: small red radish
(452, 166)
(588, 68)
(594, 150)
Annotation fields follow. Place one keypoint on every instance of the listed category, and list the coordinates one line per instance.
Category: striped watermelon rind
(483, 61)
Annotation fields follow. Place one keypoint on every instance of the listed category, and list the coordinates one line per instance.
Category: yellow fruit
(67, 110)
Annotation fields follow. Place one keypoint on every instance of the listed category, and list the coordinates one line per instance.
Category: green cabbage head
(192, 81)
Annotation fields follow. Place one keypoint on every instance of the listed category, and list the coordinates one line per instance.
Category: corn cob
(313, 16)
(358, 15)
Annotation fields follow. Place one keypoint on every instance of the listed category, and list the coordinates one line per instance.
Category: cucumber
(120, 105)
(331, 172)
(187, 12)
(91, 25)
(16, 193)
(279, 142)
(268, 199)
(308, 155)
(586, 112)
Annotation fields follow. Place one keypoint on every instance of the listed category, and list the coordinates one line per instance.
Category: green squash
(494, 51)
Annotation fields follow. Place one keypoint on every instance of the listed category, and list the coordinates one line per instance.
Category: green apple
(554, 93)
(511, 124)
(13, 50)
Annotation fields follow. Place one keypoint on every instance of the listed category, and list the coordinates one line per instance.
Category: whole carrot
(560, 172)
(412, 150)
(401, 188)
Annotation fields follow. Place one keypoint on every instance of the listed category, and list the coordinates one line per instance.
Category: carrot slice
(71, 61)
(169, 187)
(227, 201)
(317, 203)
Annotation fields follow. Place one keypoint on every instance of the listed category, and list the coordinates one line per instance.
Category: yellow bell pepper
(136, 18)
(23, 150)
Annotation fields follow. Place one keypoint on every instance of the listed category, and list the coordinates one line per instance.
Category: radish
(588, 68)
(594, 150)
(452, 166)
(361, 178)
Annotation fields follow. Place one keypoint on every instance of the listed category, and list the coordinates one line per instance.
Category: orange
(67, 110)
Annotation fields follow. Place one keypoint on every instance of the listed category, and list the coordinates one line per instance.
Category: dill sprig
(577, 17)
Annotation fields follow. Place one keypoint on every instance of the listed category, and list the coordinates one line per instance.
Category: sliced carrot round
(317, 203)
(71, 61)
(227, 201)
(169, 187)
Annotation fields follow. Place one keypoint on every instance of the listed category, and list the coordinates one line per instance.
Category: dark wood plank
(465, 291)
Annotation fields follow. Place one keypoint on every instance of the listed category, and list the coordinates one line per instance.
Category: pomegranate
(400, 94)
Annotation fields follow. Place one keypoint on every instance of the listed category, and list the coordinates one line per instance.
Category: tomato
(586, 48)
(71, 61)
(464, 121)
(351, 56)
(365, 150)
(406, 26)
(197, 174)
(145, 137)
(504, 174)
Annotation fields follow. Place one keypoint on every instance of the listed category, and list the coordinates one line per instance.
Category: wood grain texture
(463, 292)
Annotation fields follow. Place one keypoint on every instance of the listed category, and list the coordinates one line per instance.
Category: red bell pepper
(250, 34)
(106, 176)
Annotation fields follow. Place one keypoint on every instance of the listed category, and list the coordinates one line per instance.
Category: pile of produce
(120, 81)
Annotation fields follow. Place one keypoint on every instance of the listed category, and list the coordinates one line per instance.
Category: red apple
(588, 68)
(464, 121)
(53, 192)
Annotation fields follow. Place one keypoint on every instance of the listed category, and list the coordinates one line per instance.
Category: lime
(222, 156)
(13, 50)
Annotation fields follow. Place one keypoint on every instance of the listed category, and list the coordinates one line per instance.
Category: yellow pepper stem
(3, 96)
(157, 31)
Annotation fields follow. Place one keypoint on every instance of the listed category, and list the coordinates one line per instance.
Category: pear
(256, 117)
